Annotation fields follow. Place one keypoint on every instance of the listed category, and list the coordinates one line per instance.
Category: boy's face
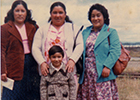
(56, 59)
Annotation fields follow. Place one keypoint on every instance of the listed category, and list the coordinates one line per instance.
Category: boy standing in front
(58, 84)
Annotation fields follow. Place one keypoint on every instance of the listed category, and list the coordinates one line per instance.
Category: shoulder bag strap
(77, 35)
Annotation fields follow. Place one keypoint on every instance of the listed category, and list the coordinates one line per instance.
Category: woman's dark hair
(100, 8)
(64, 8)
(56, 49)
(10, 14)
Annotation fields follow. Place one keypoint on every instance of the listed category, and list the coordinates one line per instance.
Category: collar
(13, 30)
(57, 69)
(52, 71)
(54, 30)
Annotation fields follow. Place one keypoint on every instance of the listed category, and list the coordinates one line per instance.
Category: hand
(70, 66)
(44, 69)
(105, 72)
(4, 77)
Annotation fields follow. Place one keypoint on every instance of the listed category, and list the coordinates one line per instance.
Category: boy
(58, 84)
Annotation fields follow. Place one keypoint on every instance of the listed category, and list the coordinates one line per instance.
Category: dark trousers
(28, 87)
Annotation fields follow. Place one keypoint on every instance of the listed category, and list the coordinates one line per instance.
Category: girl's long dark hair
(10, 14)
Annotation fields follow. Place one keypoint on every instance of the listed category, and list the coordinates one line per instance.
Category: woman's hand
(44, 69)
(4, 77)
(70, 66)
(105, 72)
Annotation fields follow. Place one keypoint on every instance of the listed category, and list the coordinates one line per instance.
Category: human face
(97, 19)
(20, 14)
(56, 59)
(58, 16)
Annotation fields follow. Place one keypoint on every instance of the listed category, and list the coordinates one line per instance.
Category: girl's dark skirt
(28, 87)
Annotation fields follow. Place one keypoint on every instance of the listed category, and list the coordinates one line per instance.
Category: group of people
(41, 59)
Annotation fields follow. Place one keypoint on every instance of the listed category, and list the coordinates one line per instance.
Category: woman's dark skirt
(28, 87)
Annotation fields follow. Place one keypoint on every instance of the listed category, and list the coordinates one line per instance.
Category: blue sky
(124, 14)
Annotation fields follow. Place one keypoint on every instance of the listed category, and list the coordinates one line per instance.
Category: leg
(33, 78)
(15, 94)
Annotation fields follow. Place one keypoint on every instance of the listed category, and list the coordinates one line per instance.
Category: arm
(114, 50)
(114, 54)
(43, 88)
(72, 87)
(37, 47)
(79, 45)
(77, 51)
(4, 47)
(37, 52)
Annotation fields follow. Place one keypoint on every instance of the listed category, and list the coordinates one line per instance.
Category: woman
(58, 31)
(97, 81)
(17, 62)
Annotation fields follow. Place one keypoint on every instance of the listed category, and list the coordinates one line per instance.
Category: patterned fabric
(55, 37)
(90, 90)
(28, 87)
(58, 85)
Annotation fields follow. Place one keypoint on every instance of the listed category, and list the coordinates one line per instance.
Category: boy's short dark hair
(56, 49)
